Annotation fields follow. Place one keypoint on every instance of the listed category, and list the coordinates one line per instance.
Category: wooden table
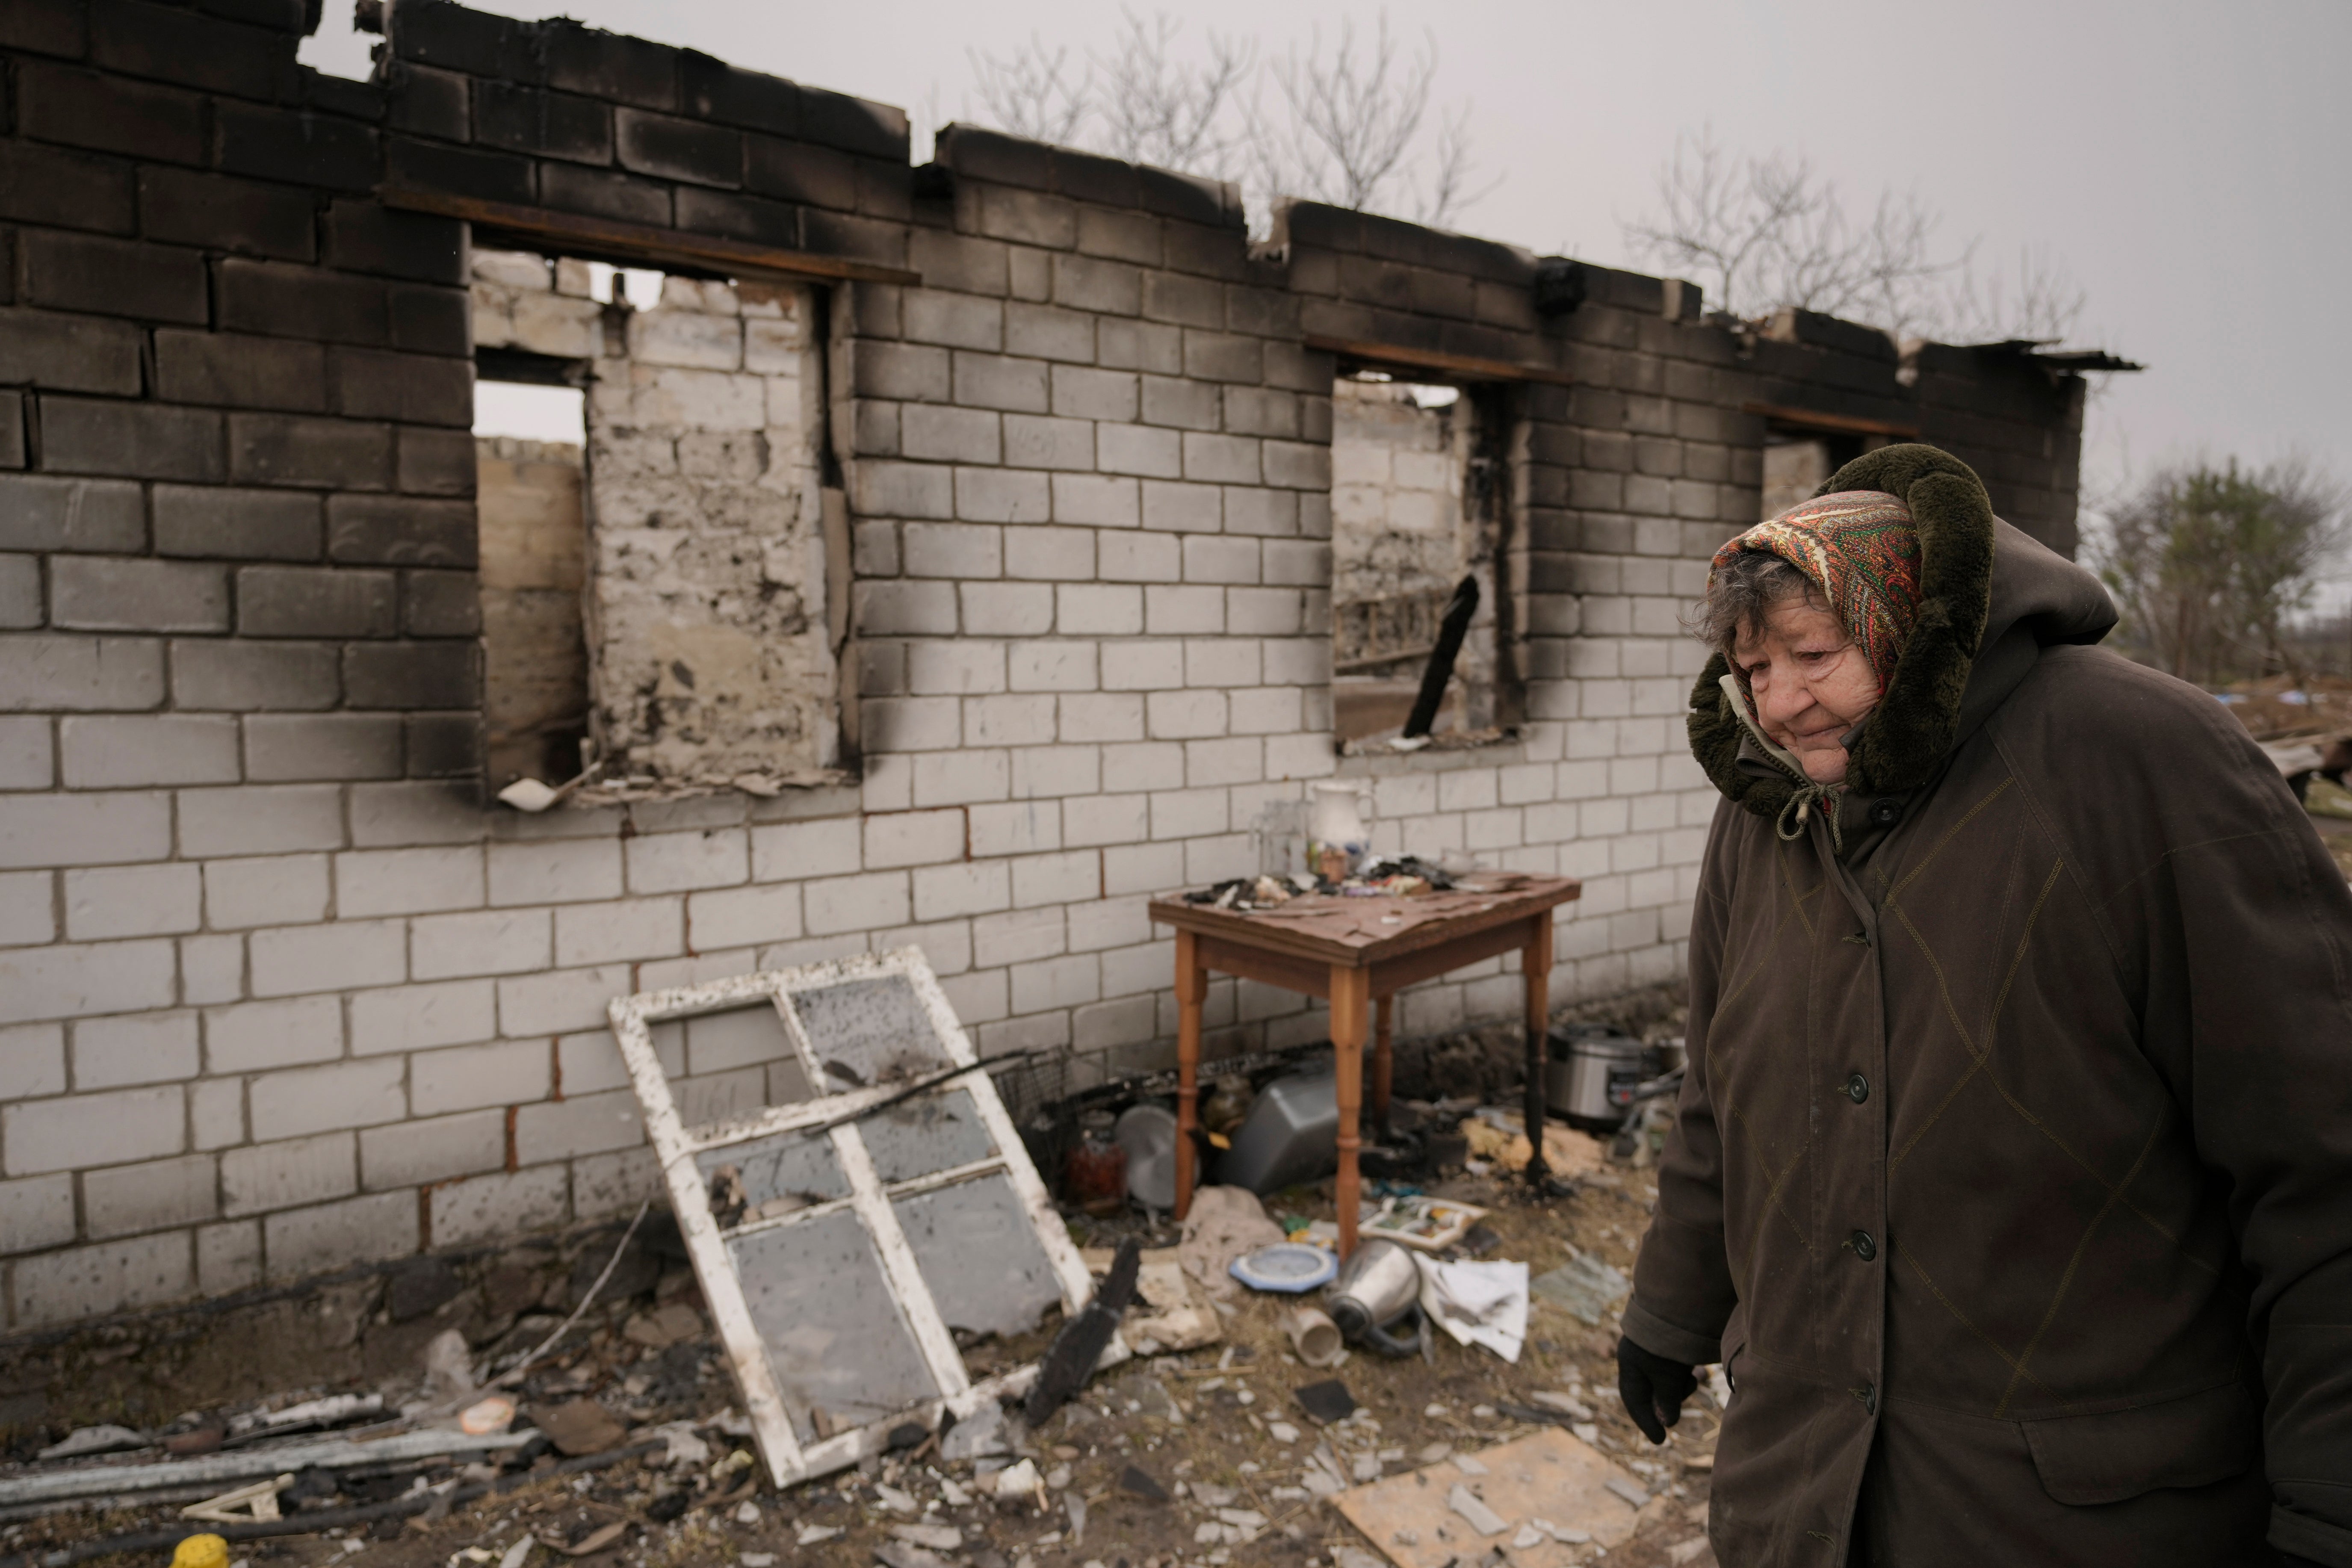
(1358, 953)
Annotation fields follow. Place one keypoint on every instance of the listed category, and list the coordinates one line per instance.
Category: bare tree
(1351, 125)
(1773, 233)
(1157, 109)
(2210, 566)
(1030, 93)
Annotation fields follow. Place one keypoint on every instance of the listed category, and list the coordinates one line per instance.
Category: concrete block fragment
(337, 1235)
(631, 929)
(494, 941)
(259, 819)
(37, 1213)
(128, 751)
(421, 1152)
(80, 1282)
(95, 829)
(135, 1048)
(504, 1204)
(100, 593)
(132, 901)
(306, 1100)
(86, 1130)
(292, 960)
(467, 1077)
(560, 1000)
(40, 511)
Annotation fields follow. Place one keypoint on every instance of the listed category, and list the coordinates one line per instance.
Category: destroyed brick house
(958, 553)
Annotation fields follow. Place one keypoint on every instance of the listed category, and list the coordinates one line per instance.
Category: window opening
(1416, 505)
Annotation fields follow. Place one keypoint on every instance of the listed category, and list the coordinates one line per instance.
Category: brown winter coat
(2012, 1178)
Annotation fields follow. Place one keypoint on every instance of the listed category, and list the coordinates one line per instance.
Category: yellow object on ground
(201, 1551)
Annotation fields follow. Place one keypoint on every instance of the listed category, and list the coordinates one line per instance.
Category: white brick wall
(243, 1025)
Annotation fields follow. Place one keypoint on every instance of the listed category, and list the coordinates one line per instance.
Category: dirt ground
(1210, 1438)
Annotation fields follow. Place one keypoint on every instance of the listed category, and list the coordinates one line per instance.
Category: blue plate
(1291, 1267)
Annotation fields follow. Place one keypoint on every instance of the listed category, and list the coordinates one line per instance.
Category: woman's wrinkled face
(1811, 683)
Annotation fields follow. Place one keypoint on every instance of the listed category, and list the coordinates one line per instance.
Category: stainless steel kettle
(1377, 1287)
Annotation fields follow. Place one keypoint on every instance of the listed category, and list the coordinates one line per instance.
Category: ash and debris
(1199, 1460)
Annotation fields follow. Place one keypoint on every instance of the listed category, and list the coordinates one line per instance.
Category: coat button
(1857, 1088)
(1885, 813)
(1864, 1246)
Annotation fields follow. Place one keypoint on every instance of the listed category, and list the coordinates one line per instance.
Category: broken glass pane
(868, 1031)
(770, 1177)
(979, 1253)
(737, 1038)
(929, 1132)
(837, 1338)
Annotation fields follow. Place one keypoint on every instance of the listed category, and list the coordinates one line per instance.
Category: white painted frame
(676, 1145)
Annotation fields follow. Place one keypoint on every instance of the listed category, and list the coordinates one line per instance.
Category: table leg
(1535, 959)
(1192, 990)
(1383, 1012)
(1351, 992)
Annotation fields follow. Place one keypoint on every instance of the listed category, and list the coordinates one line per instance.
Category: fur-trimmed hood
(1991, 598)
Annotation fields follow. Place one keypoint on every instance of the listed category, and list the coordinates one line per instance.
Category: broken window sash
(845, 1232)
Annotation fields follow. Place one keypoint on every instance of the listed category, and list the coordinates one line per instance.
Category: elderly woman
(2010, 1179)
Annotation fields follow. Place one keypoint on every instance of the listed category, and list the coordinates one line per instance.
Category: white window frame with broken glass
(778, 1407)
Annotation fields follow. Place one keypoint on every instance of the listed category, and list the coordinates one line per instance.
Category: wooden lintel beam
(1468, 366)
(1844, 424)
(604, 239)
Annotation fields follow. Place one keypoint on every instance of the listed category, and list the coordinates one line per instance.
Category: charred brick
(1084, 177)
(444, 745)
(295, 17)
(400, 531)
(429, 320)
(839, 234)
(314, 602)
(223, 214)
(172, 44)
(993, 155)
(240, 372)
(610, 65)
(12, 430)
(801, 173)
(71, 353)
(340, 96)
(280, 300)
(363, 237)
(137, 440)
(456, 171)
(428, 102)
(435, 33)
(39, 512)
(411, 675)
(422, 389)
(132, 594)
(436, 462)
(715, 90)
(527, 119)
(673, 149)
(83, 108)
(331, 454)
(45, 26)
(213, 523)
(739, 217)
(1188, 196)
(440, 603)
(240, 677)
(603, 193)
(295, 145)
(114, 276)
(71, 190)
(852, 125)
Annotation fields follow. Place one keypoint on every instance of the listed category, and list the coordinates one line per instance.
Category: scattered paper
(1478, 1303)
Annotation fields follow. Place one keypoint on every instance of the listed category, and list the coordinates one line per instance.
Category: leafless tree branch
(1156, 110)
(1773, 233)
(1028, 94)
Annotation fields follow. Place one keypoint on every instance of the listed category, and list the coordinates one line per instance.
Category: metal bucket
(1591, 1075)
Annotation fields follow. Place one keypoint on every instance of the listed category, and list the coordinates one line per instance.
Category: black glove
(1653, 1387)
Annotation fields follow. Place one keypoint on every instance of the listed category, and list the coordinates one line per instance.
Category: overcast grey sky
(2191, 165)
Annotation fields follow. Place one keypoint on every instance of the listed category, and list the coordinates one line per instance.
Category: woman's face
(1811, 681)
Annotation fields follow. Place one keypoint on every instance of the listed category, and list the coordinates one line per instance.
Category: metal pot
(1592, 1076)
(1377, 1287)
